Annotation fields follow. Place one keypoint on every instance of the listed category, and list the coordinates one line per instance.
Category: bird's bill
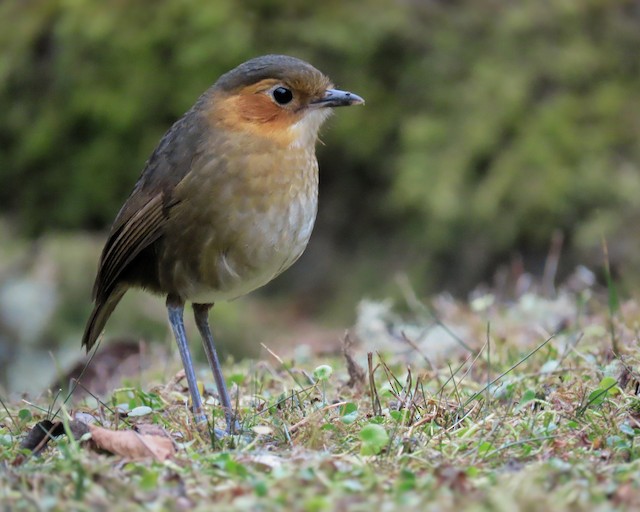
(337, 98)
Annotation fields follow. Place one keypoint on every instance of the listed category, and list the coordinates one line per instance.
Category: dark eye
(282, 95)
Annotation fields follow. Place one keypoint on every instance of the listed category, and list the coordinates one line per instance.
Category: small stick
(375, 399)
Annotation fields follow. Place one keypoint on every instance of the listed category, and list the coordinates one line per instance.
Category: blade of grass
(613, 300)
(506, 372)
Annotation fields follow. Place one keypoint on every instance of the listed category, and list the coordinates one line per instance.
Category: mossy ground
(526, 419)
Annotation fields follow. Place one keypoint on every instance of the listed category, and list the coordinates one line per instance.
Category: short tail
(99, 316)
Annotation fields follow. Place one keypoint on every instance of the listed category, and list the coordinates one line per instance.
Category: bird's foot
(233, 425)
(200, 416)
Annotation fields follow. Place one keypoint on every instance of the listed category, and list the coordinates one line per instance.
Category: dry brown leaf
(131, 444)
(149, 429)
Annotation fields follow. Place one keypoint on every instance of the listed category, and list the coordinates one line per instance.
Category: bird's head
(277, 97)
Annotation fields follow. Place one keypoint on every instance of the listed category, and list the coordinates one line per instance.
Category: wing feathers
(136, 234)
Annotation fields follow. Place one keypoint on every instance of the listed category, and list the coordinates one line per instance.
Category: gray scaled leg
(201, 314)
(175, 307)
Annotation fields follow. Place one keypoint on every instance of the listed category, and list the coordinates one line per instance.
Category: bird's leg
(201, 315)
(175, 307)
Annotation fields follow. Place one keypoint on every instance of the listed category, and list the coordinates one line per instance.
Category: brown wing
(140, 231)
(137, 226)
(141, 220)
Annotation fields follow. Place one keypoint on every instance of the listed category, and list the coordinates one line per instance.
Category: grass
(530, 408)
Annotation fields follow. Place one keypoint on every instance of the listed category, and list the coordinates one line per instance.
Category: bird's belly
(243, 223)
(267, 245)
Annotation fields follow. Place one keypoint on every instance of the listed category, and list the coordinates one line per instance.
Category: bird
(225, 203)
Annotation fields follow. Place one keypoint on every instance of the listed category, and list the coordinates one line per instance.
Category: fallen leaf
(149, 429)
(142, 410)
(39, 435)
(132, 444)
(42, 432)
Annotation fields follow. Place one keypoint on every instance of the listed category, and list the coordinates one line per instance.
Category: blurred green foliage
(488, 124)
